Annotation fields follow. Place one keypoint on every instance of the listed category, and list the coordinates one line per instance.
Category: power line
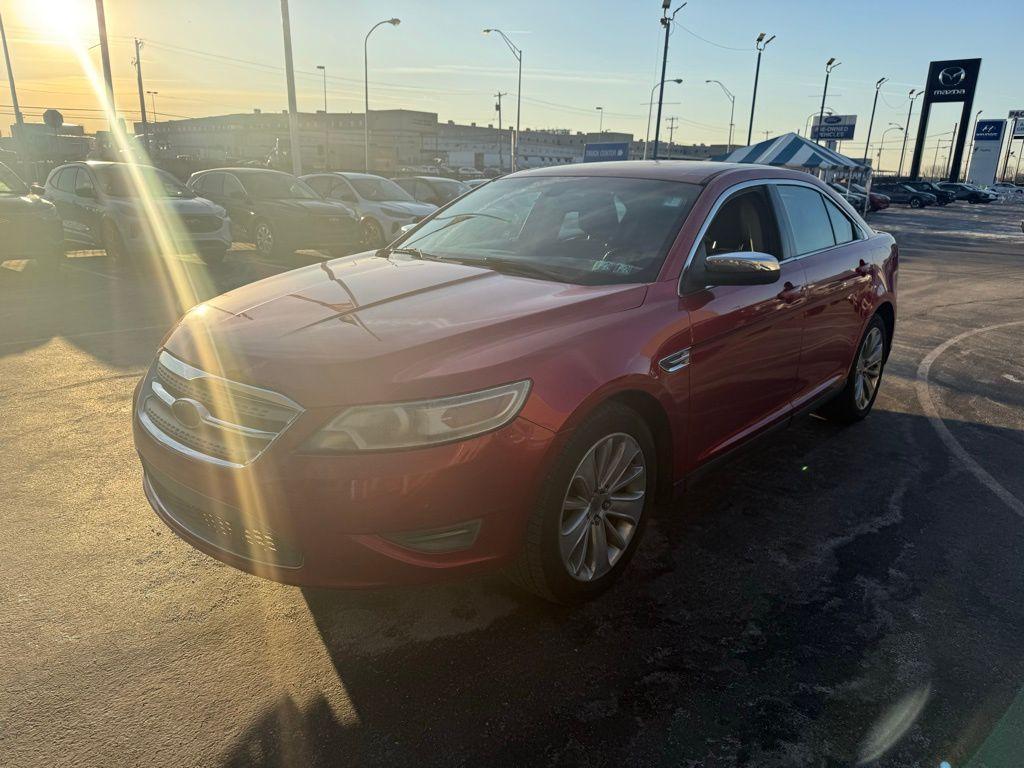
(745, 49)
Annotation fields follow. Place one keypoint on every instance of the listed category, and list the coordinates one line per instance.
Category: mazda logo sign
(951, 76)
(187, 412)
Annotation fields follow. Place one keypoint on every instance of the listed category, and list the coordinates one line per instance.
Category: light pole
(518, 53)
(970, 146)
(881, 144)
(366, 91)
(497, 107)
(829, 66)
(600, 122)
(913, 95)
(108, 80)
(732, 108)
(327, 143)
(807, 122)
(18, 118)
(650, 109)
(152, 99)
(871, 122)
(760, 44)
(666, 22)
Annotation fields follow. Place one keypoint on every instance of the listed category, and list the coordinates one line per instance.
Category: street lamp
(913, 95)
(600, 123)
(829, 66)
(760, 44)
(881, 144)
(366, 91)
(152, 98)
(807, 122)
(650, 109)
(970, 146)
(871, 122)
(518, 53)
(666, 22)
(732, 108)
(327, 145)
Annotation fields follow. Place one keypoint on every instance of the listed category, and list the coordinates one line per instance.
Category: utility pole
(760, 44)
(666, 22)
(600, 124)
(518, 54)
(142, 94)
(108, 79)
(903, 151)
(497, 107)
(327, 125)
(18, 118)
(671, 132)
(293, 109)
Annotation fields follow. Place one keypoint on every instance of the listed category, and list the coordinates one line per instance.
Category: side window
(213, 184)
(745, 222)
(320, 184)
(342, 191)
(83, 180)
(65, 180)
(808, 220)
(842, 227)
(232, 186)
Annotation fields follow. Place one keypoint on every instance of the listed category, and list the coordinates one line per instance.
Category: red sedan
(516, 380)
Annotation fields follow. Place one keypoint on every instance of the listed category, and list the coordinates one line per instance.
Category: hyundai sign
(834, 127)
(989, 130)
(606, 150)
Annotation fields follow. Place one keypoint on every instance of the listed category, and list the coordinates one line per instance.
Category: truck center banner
(605, 150)
(834, 127)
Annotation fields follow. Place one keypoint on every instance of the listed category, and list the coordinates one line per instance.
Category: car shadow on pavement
(788, 610)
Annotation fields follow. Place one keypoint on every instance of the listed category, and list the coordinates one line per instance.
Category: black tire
(915, 202)
(113, 243)
(846, 407)
(539, 567)
(373, 234)
(213, 257)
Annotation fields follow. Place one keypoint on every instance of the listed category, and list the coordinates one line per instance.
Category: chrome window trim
(735, 188)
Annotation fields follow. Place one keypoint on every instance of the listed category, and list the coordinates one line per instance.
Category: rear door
(746, 340)
(836, 258)
(61, 192)
(86, 210)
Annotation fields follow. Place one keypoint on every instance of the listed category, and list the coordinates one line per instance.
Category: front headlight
(421, 423)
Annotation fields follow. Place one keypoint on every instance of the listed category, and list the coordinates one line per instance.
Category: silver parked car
(383, 207)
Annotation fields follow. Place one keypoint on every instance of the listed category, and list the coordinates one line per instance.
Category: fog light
(438, 540)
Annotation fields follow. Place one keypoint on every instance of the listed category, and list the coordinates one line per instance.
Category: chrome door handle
(790, 293)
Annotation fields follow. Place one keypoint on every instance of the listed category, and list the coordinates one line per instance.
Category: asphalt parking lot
(835, 597)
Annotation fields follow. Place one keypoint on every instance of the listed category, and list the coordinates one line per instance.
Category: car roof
(241, 170)
(694, 172)
(430, 178)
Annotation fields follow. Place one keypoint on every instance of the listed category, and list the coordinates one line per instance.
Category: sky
(207, 57)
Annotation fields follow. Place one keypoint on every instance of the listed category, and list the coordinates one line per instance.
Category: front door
(86, 210)
(746, 340)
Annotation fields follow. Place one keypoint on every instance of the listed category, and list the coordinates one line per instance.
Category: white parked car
(383, 207)
(1007, 189)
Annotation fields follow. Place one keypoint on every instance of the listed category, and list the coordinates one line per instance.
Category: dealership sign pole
(948, 81)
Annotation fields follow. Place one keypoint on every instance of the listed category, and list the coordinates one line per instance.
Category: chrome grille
(209, 417)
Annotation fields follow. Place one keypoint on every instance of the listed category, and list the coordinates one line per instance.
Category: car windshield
(10, 184)
(379, 190)
(584, 230)
(119, 181)
(277, 186)
(449, 187)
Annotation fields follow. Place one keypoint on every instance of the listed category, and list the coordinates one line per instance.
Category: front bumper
(334, 521)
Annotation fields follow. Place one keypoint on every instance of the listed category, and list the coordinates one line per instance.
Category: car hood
(367, 328)
(412, 209)
(180, 205)
(16, 205)
(315, 207)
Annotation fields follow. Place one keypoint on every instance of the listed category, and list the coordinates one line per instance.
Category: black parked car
(29, 226)
(944, 196)
(435, 190)
(278, 212)
(902, 193)
(969, 192)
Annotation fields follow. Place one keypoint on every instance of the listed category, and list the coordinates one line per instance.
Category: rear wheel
(215, 256)
(592, 509)
(915, 202)
(858, 396)
(373, 234)
(113, 243)
(268, 242)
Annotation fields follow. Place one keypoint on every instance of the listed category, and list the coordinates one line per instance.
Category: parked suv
(942, 196)
(29, 226)
(435, 190)
(102, 205)
(278, 212)
(902, 193)
(383, 206)
(515, 380)
(969, 192)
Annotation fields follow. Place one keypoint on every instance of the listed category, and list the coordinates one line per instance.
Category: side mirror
(407, 228)
(742, 268)
(87, 192)
(37, 189)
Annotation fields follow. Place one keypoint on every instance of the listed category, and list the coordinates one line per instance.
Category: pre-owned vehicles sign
(836, 127)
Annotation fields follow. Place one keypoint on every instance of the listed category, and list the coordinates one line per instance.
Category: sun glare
(60, 19)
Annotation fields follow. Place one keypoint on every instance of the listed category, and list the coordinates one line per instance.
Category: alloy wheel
(264, 238)
(602, 507)
(373, 235)
(869, 368)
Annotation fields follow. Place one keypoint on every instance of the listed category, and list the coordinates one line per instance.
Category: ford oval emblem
(187, 412)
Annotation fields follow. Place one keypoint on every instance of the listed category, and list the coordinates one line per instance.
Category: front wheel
(592, 509)
(915, 203)
(373, 234)
(858, 396)
(266, 239)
